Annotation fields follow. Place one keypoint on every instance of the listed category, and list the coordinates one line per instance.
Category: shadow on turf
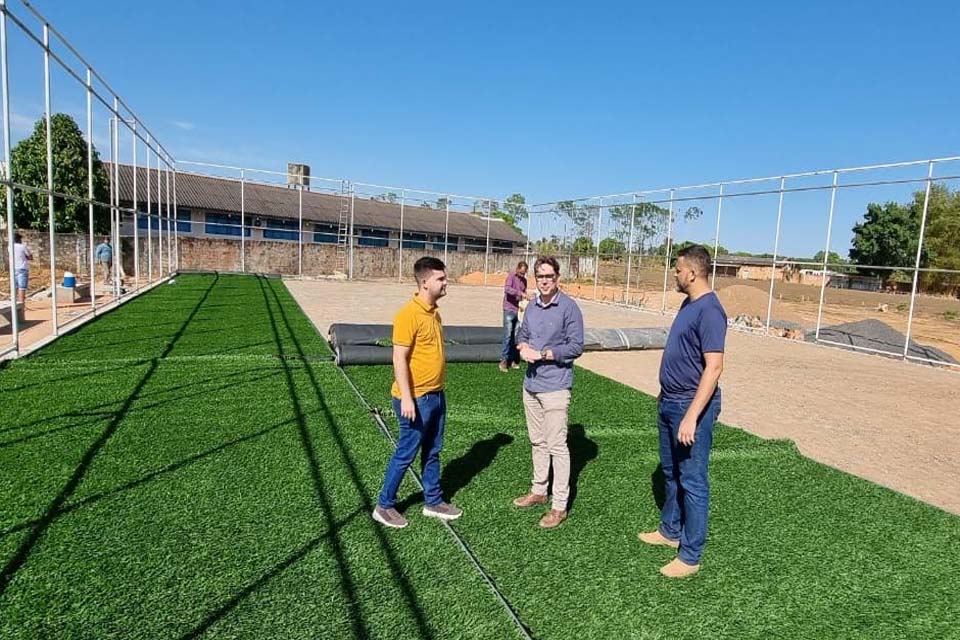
(56, 506)
(460, 472)
(582, 451)
(349, 589)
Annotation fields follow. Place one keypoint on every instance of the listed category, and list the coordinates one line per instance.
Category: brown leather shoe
(677, 568)
(553, 519)
(530, 500)
(504, 367)
(656, 538)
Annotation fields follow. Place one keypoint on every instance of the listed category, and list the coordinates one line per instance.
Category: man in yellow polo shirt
(419, 369)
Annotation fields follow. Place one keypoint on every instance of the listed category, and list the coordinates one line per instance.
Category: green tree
(887, 237)
(28, 166)
(515, 207)
(612, 247)
(582, 246)
(941, 236)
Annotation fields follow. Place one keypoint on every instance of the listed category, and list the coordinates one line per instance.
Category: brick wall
(73, 250)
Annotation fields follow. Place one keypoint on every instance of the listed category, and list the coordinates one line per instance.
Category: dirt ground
(936, 320)
(888, 421)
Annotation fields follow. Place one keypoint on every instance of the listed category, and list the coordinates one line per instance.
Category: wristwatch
(543, 354)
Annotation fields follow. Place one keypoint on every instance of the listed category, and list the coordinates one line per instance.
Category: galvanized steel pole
(136, 214)
(149, 220)
(826, 252)
(446, 230)
(93, 264)
(666, 258)
(300, 231)
(776, 249)
(596, 266)
(52, 219)
(916, 266)
(633, 214)
(243, 218)
(14, 319)
(716, 241)
(403, 197)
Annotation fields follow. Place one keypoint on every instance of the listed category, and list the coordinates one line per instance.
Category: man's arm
(708, 384)
(401, 371)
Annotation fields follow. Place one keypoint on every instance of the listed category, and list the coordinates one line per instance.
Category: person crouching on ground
(419, 368)
(550, 339)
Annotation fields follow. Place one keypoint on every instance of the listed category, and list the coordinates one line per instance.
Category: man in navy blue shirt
(688, 406)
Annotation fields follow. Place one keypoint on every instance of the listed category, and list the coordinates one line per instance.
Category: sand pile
(741, 299)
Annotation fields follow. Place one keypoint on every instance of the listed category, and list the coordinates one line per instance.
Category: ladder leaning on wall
(343, 231)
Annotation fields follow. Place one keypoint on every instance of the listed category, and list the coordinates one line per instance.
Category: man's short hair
(522, 265)
(548, 260)
(426, 264)
(17, 238)
(697, 257)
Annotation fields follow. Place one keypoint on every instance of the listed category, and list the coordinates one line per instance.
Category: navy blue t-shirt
(700, 327)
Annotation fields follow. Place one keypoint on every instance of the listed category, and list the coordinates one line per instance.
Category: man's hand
(408, 409)
(688, 430)
(531, 295)
(529, 355)
(522, 346)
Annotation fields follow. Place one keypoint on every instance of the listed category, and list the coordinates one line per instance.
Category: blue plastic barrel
(69, 280)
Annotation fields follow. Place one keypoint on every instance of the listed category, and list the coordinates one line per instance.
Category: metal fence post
(596, 266)
(243, 224)
(350, 234)
(403, 197)
(666, 258)
(633, 214)
(52, 220)
(149, 220)
(716, 241)
(486, 251)
(826, 252)
(446, 230)
(136, 214)
(300, 230)
(176, 217)
(916, 266)
(776, 248)
(14, 320)
(159, 221)
(93, 264)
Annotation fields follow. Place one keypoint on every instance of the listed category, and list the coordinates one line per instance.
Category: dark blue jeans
(509, 353)
(684, 515)
(423, 434)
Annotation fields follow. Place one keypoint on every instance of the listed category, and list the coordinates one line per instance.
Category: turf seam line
(378, 419)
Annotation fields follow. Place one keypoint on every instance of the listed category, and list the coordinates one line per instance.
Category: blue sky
(554, 100)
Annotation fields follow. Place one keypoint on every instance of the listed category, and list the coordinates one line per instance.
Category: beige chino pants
(547, 426)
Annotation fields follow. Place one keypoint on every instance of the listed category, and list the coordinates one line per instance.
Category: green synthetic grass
(192, 465)
(168, 492)
(795, 549)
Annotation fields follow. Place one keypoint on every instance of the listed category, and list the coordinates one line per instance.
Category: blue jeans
(509, 352)
(684, 515)
(423, 434)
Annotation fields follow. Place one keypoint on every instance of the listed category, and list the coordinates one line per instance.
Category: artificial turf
(193, 465)
(155, 485)
(796, 549)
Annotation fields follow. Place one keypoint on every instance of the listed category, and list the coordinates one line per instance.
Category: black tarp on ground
(878, 335)
(381, 334)
(370, 343)
(351, 354)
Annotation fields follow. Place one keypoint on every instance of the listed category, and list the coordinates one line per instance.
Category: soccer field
(194, 465)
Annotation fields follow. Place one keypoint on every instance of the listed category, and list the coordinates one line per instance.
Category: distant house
(785, 270)
(209, 206)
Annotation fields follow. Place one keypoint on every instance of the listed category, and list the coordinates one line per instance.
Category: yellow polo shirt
(417, 325)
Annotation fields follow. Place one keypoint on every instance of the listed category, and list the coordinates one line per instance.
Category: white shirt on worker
(21, 254)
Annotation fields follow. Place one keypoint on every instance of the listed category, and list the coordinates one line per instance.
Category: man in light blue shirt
(549, 340)
(103, 255)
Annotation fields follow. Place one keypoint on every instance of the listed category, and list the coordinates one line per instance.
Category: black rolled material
(359, 354)
(380, 334)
